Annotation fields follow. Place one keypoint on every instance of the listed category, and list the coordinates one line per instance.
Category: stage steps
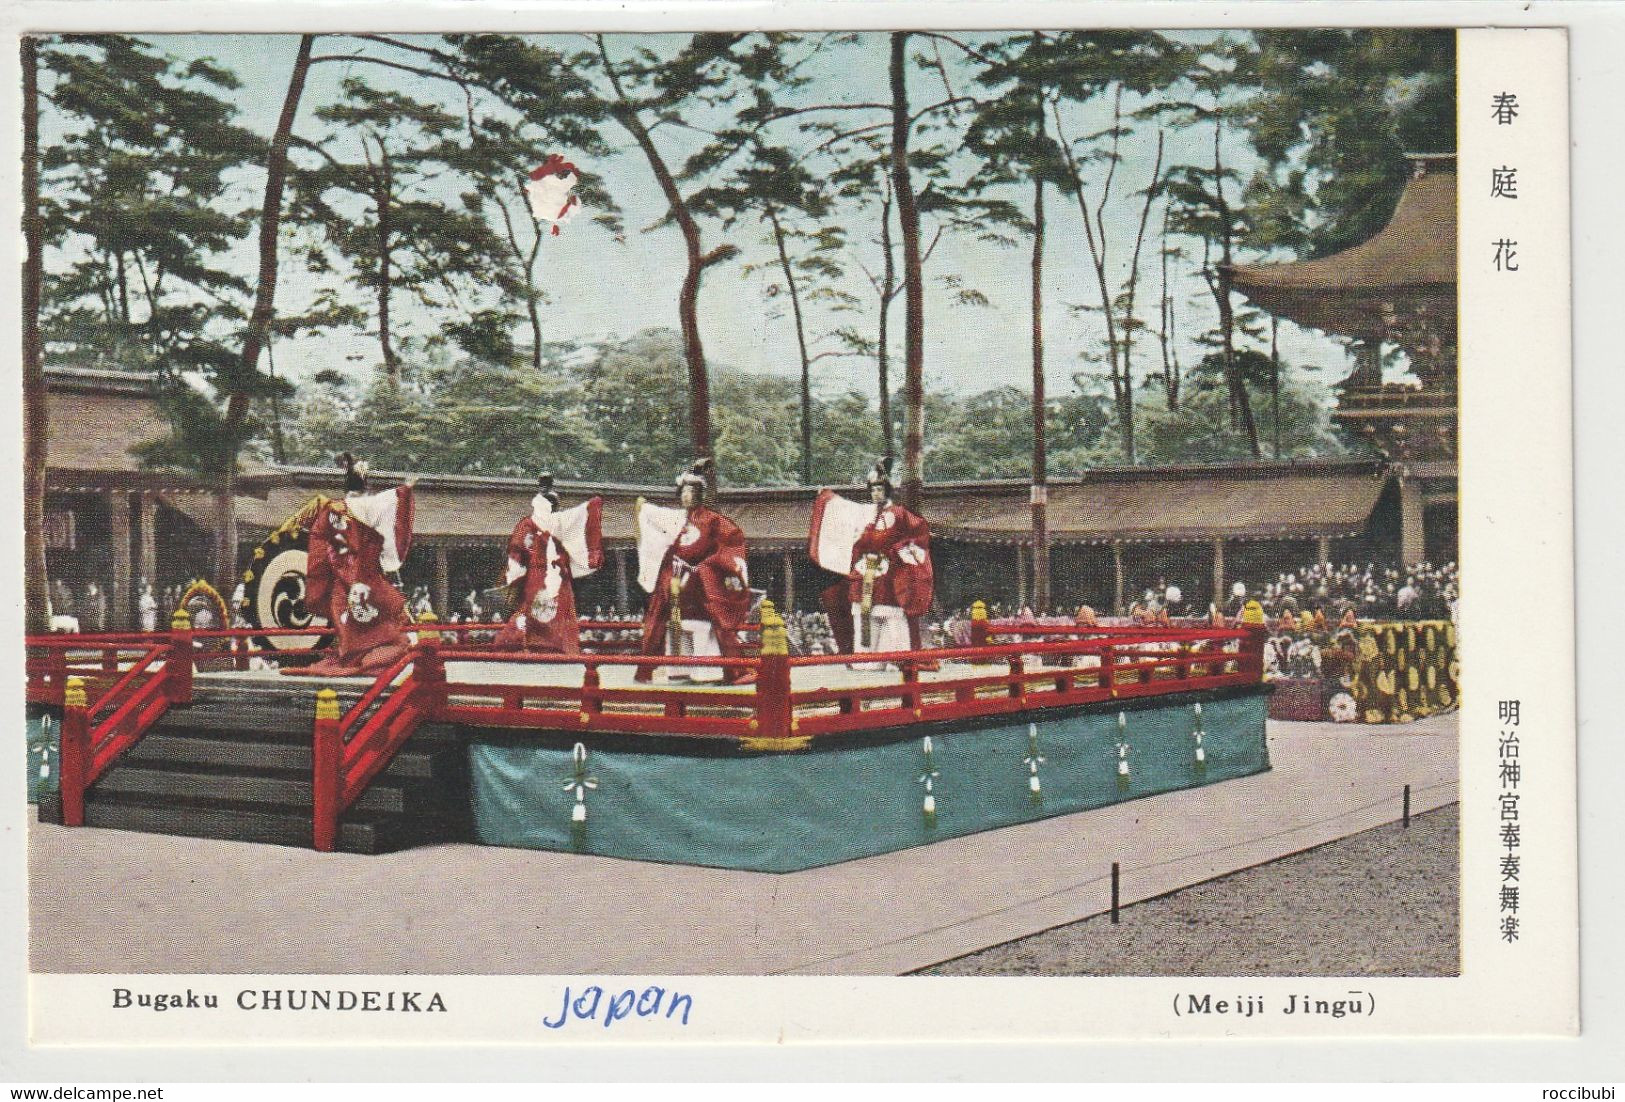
(236, 765)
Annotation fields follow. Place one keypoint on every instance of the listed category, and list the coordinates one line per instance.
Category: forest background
(799, 252)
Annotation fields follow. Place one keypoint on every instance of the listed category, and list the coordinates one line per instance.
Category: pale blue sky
(600, 287)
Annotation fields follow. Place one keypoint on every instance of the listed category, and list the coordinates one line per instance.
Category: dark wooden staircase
(236, 764)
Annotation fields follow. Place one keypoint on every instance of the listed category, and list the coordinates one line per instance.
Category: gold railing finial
(774, 638)
(327, 704)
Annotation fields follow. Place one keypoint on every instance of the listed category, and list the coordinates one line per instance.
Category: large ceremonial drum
(274, 585)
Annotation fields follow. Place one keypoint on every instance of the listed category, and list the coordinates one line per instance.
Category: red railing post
(429, 676)
(58, 672)
(178, 663)
(74, 752)
(1252, 651)
(774, 727)
(327, 773)
(1108, 668)
(978, 624)
(592, 701)
(912, 698)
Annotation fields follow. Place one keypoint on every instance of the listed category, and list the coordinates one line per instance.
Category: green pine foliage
(406, 213)
(1333, 113)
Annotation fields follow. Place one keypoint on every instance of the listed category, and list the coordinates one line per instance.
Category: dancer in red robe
(883, 549)
(548, 551)
(700, 555)
(355, 552)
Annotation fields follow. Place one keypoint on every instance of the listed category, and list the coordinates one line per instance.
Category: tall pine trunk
(908, 217)
(1094, 229)
(1040, 493)
(1240, 402)
(626, 113)
(801, 346)
(36, 417)
(1130, 290)
(699, 380)
(259, 322)
(535, 323)
(386, 279)
(1275, 382)
(888, 292)
(1170, 354)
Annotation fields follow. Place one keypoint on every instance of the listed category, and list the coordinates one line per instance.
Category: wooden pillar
(1117, 572)
(147, 537)
(121, 588)
(789, 581)
(1041, 581)
(1021, 575)
(1218, 573)
(1412, 547)
(1323, 551)
(442, 581)
(623, 597)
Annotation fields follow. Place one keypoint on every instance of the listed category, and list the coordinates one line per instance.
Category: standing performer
(548, 550)
(691, 562)
(355, 553)
(885, 552)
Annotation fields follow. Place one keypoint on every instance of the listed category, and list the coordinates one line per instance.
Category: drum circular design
(275, 594)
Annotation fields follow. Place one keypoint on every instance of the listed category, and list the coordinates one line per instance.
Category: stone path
(114, 901)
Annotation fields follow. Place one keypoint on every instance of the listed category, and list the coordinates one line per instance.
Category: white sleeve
(377, 511)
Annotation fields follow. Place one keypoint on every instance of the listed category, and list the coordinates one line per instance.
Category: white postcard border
(1544, 988)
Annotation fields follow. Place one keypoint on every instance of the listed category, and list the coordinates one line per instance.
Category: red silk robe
(346, 579)
(540, 565)
(902, 540)
(713, 548)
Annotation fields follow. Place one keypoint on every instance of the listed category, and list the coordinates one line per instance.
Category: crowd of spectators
(1424, 591)
(1331, 595)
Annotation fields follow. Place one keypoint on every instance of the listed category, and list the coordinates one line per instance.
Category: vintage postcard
(799, 526)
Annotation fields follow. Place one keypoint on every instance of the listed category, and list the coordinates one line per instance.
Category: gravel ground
(1380, 903)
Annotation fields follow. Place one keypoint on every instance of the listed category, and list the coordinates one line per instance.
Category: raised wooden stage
(197, 733)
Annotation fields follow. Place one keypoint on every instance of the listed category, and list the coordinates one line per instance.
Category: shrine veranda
(817, 762)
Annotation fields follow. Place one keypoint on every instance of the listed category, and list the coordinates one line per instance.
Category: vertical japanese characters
(1509, 769)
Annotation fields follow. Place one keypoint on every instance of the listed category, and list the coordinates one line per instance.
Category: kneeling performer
(548, 550)
(355, 551)
(885, 552)
(691, 562)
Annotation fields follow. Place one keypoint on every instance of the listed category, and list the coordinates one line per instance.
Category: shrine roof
(1268, 500)
(96, 421)
(1413, 256)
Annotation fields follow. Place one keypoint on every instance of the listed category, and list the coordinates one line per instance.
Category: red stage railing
(111, 689)
(692, 710)
(348, 751)
(1123, 666)
(135, 678)
(1100, 665)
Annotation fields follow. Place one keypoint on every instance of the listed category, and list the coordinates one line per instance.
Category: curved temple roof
(1412, 258)
(1272, 500)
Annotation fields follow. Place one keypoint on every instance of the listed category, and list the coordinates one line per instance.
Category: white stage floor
(620, 677)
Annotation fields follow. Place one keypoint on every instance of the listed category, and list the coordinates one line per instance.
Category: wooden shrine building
(1396, 289)
(113, 522)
